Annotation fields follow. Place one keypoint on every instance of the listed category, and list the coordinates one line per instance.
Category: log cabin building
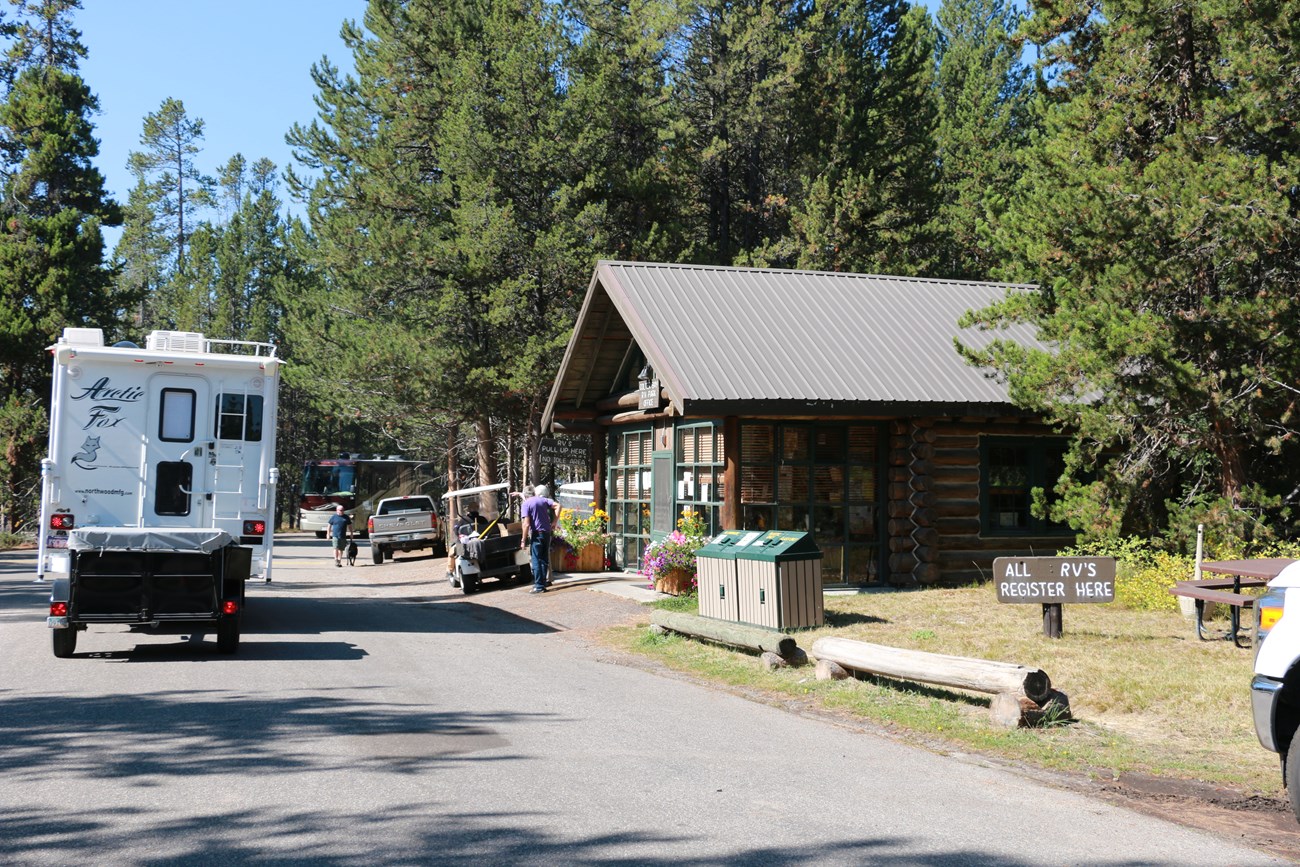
(825, 402)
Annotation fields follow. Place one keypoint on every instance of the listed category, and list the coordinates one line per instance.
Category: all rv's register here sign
(1054, 580)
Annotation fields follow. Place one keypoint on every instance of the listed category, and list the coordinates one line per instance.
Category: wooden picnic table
(1238, 575)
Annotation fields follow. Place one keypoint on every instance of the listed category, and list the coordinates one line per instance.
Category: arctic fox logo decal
(89, 451)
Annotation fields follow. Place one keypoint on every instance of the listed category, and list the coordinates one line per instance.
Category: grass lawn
(1148, 696)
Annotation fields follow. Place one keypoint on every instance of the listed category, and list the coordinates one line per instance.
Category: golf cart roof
(465, 492)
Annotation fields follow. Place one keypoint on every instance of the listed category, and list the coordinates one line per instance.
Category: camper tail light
(254, 528)
(230, 606)
(62, 522)
(58, 609)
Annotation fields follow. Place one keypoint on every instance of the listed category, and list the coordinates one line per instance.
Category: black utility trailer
(150, 580)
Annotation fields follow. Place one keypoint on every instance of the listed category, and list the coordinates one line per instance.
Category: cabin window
(700, 462)
(824, 479)
(239, 417)
(176, 417)
(171, 488)
(1010, 469)
(629, 504)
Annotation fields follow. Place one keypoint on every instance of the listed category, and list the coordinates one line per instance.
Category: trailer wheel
(320, 534)
(65, 642)
(376, 554)
(228, 634)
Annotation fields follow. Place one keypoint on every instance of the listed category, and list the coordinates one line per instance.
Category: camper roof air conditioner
(83, 336)
(175, 341)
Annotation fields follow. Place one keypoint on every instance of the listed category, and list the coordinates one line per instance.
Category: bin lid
(781, 545)
(728, 543)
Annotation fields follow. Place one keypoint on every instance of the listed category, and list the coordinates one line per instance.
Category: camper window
(239, 416)
(176, 418)
(170, 496)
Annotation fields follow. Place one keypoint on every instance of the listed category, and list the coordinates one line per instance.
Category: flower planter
(675, 582)
(590, 559)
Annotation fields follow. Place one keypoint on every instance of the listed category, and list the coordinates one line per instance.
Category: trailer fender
(60, 591)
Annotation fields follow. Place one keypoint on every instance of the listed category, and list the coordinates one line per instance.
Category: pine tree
(51, 247)
(1159, 213)
(983, 120)
(735, 92)
(162, 212)
(869, 184)
(620, 122)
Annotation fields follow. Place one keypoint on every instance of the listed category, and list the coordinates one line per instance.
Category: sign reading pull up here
(1054, 580)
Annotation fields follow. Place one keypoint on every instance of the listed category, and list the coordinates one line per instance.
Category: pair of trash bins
(771, 579)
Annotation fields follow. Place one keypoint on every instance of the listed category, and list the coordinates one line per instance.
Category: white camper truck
(159, 489)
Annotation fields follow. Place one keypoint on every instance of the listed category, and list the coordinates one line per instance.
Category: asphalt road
(375, 716)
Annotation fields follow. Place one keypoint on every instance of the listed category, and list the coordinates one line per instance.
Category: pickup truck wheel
(376, 554)
(228, 634)
(65, 642)
(1292, 772)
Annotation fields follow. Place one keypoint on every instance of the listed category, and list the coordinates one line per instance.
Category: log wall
(934, 534)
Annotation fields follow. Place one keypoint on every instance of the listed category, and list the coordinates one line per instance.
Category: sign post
(1052, 582)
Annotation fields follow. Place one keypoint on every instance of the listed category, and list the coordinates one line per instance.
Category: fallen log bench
(1022, 696)
(728, 632)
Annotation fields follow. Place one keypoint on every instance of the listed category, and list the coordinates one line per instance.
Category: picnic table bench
(1238, 575)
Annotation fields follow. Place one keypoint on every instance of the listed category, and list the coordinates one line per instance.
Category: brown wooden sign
(1054, 580)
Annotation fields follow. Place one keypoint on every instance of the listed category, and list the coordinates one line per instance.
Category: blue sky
(243, 66)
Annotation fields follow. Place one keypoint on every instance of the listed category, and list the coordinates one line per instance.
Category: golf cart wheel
(453, 579)
(468, 583)
(65, 642)
(376, 553)
(228, 634)
(320, 534)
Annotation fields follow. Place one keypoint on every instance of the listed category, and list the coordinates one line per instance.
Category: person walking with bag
(340, 533)
(539, 514)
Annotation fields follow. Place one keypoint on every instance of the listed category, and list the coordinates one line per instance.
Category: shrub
(1145, 586)
(1143, 573)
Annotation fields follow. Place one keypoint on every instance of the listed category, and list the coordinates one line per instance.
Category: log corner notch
(755, 638)
(1022, 696)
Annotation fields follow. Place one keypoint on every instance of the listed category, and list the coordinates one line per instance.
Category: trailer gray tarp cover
(203, 540)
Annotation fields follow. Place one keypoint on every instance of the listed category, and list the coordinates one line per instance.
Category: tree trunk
(487, 462)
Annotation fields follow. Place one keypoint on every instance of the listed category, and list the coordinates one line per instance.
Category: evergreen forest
(1137, 160)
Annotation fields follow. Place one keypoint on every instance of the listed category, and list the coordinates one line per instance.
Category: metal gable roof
(721, 335)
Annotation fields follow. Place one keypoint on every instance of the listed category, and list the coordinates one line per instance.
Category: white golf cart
(488, 546)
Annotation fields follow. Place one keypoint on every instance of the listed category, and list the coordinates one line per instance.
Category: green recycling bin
(715, 573)
(779, 581)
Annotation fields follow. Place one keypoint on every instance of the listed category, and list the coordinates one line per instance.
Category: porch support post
(730, 515)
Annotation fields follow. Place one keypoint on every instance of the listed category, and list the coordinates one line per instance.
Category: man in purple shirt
(539, 514)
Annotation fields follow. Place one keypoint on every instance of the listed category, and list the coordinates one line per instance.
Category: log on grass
(978, 675)
(725, 632)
